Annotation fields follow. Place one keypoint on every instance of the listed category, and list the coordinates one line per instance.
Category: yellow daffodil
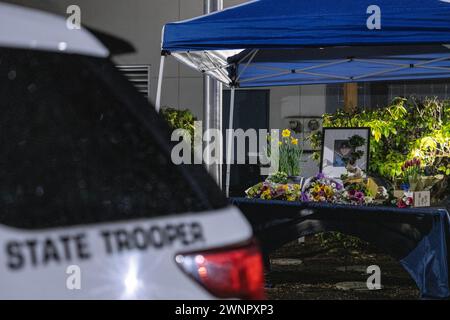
(266, 195)
(291, 198)
(328, 191)
(286, 133)
(294, 141)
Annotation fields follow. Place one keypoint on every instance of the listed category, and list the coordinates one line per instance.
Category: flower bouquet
(415, 187)
(323, 189)
(414, 178)
(357, 194)
(411, 172)
(406, 201)
(268, 190)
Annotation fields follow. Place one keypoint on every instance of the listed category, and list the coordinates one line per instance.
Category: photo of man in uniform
(342, 153)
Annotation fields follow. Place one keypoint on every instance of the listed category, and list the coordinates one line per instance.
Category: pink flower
(409, 201)
(359, 195)
(405, 202)
(401, 204)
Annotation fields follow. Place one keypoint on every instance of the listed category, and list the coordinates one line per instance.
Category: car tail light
(235, 272)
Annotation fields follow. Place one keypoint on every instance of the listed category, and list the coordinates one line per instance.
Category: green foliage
(290, 157)
(279, 177)
(404, 130)
(342, 241)
(179, 119)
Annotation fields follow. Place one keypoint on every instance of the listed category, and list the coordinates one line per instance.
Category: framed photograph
(343, 147)
(303, 127)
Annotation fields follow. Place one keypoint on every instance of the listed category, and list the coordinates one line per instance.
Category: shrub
(404, 130)
(179, 119)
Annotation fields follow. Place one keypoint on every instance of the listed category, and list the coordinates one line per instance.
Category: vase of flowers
(290, 154)
(411, 174)
(289, 158)
(415, 186)
(295, 180)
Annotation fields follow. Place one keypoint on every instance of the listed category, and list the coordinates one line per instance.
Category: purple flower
(305, 197)
(339, 186)
(320, 175)
(359, 195)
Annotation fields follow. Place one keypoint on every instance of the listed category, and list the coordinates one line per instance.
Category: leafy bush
(179, 119)
(404, 130)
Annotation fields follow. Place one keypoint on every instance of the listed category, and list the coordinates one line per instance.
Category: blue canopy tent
(297, 42)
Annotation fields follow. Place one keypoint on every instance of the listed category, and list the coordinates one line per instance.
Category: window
(74, 153)
(380, 94)
(439, 89)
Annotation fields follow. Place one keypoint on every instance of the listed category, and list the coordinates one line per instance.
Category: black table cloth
(417, 237)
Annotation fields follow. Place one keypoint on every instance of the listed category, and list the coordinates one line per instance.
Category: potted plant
(413, 191)
(411, 175)
(290, 154)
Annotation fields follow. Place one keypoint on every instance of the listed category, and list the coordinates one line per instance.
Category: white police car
(91, 206)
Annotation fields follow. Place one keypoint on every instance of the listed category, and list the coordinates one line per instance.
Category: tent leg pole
(159, 88)
(230, 142)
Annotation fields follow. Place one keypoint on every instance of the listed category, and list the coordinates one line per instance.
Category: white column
(212, 100)
(230, 142)
(160, 79)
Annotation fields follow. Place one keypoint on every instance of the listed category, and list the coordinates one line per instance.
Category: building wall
(141, 22)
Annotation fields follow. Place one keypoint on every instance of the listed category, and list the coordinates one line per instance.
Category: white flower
(368, 199)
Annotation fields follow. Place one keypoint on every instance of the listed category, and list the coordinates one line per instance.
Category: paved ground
(310, 271)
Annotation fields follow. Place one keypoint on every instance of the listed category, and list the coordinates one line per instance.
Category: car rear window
(71, 151)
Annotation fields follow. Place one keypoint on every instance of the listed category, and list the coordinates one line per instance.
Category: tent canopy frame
(233, 77)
